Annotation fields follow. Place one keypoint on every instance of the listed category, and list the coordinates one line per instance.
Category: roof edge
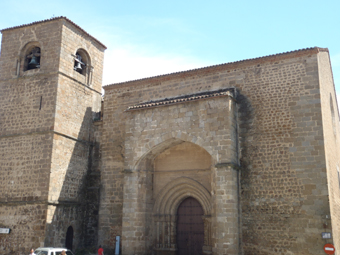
(184, 99)
(214, 68)
(53, 19)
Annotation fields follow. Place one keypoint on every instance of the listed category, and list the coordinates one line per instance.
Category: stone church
(237, 158)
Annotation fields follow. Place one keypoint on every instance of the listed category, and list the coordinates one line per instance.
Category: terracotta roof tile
(182, 99)
(52, 19)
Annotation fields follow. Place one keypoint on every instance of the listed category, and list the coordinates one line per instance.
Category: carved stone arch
(176, 191)
(165, 212)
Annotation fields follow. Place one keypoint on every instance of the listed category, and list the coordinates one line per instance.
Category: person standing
(100, 250)
(32, 252)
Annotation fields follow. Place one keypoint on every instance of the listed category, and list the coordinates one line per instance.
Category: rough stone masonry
(237, 158)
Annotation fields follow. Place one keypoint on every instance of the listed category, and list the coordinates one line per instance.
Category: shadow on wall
(72, 217)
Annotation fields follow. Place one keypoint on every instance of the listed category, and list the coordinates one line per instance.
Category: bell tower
(50, 90)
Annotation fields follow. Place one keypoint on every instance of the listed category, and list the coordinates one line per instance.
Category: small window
(32, 60)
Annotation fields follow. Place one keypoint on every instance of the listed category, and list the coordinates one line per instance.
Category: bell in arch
(34, 62)
(77, 66)
(78, 63)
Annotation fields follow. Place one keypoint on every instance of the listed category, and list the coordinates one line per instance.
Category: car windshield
(67, 253)
(37, 252)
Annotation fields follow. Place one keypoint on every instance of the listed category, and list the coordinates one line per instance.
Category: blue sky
(147, 38)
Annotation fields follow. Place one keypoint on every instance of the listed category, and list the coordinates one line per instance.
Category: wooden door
(190, 227)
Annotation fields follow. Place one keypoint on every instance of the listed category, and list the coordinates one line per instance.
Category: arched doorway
(190, 227)
(69, 238)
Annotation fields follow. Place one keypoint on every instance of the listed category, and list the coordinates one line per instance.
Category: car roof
(51, 249)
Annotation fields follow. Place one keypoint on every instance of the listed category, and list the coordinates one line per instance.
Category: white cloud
(134, 62)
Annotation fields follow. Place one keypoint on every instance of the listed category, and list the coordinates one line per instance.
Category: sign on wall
(326, 235)
(5, 230)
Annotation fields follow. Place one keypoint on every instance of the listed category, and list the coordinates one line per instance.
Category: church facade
(237, 158)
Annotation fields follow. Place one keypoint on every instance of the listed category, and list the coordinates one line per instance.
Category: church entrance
(190, 227)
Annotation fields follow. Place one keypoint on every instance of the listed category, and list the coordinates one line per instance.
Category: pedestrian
(100, 250)
(63, 252)
(32, 252)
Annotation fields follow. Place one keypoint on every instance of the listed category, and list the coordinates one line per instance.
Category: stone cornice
(230, 92)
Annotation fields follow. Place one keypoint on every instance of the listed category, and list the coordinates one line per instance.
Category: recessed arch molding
(176, 191)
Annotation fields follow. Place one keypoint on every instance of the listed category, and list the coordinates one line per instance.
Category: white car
(51, 251)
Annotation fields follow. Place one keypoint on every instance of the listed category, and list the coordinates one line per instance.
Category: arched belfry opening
(30, 57)
(82, 65)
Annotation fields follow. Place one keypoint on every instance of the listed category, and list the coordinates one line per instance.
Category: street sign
(4, 230)
(329, 248)
(326, 235)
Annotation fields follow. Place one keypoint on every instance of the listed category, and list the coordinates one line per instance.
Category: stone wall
(27, 223)
(24, 163)
(283, 172)
(331, 134)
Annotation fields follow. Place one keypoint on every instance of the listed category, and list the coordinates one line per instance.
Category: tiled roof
(52, 19)
(183, 99)
(214, 68)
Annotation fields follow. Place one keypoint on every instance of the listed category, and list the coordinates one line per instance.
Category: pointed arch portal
(163, 182)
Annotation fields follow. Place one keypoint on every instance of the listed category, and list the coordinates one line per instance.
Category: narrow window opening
(40, 103)
(337, 168)
(18, 67)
